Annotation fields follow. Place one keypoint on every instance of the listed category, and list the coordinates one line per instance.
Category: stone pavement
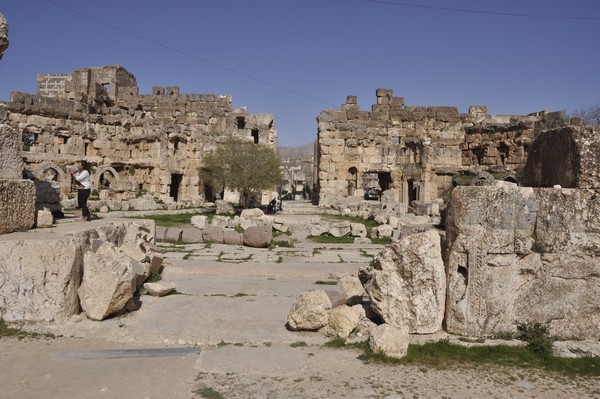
(231, 306)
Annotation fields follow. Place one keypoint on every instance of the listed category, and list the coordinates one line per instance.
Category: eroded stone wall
(569, 157)
(135, 143)
(413, 152)
(523, 255)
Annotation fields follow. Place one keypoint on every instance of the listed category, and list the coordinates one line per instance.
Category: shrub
(537, 336)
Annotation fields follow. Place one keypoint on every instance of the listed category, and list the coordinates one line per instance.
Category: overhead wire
(189, 55)
(472, 11)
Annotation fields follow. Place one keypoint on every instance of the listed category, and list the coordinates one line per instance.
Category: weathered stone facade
(413, 152)
(575, 165)
(17, 197)
(518, 255)
(134, 143)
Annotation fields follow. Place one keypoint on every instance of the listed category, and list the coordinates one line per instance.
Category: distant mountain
(302, 152)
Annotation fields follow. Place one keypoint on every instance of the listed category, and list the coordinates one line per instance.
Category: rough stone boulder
(310, 311)
(254, 217)
(47, 195)
(221, 221)
(108, 283)
(340, 229)
(160, 288)
(352, 289)
(318, 228)
(391, 340)
(495, 281)
(44, 219)
(258, 237)
(39, 282)
(342, 320)
(17, 205)
(280, 225)
(385, 230)
(224, 207)
(199, 221)
(406, 283)
(358, 230)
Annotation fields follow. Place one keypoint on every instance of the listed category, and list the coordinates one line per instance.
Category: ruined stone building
(412, 152)
(134, 143)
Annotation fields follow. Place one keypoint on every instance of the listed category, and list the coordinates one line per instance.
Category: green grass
(298, 344)
(6, 331)
(154, 278)
(174, 220)
(209, 393)
(321, 282)
(443, 354)
(326, 239)
(281, 244)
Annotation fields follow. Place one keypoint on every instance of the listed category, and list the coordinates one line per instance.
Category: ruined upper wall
(154, 142)
(416, 150)
(569, 157)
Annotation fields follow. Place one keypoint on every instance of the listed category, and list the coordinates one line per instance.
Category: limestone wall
(567, 156)
(519, 255)
(17, 205)
(134, 143)
(414, 151)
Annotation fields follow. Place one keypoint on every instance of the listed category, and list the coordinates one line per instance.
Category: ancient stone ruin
(412, 153)
(135, 144)
(510, 255)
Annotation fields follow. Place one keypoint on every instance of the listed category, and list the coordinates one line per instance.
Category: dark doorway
(176, 179)
(413, 194)
(255, 136)
(385, 180)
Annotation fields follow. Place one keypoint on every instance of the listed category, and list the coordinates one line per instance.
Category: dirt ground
(224, 336)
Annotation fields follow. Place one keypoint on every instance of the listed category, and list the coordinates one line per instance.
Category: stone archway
(50, 171)
(352, 181)
(104, 177)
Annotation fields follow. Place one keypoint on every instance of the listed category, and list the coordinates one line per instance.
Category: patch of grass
(223, 343)
(321, 282)
(298, 344)
(279, 259)
(208, 393)
(327, 239)
(6, 331)
(443, 354)
(154, 277)
(241, 294)
(280, 244)
(381, 240)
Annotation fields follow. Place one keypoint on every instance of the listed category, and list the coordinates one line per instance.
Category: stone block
(406, 283)
(191, 235)
(213, 234)
(17, 205)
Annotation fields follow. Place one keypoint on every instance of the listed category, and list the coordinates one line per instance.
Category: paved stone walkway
(231, 310)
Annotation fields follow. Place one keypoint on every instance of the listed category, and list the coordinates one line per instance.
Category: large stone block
(17, 205)
(495, 281)
(108, 283)
(11, 163)
(39, 280)
(407, 283)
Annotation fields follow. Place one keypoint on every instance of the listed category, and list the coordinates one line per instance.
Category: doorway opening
(176, 179)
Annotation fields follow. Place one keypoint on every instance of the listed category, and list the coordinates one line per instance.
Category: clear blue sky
(295, 58)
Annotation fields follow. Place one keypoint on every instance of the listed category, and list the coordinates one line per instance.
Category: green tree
(241, 166)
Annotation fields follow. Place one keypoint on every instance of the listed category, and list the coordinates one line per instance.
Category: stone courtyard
(229, 318)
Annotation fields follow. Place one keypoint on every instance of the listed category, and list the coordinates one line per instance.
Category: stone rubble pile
(97, 271)
(257, 229)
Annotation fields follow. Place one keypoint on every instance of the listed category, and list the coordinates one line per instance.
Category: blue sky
(295, 58)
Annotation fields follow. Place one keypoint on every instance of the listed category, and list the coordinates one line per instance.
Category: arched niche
(104, 176)
(50, 171)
